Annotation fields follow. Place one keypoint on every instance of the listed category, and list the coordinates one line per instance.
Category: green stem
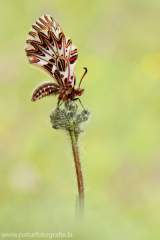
(78, 171)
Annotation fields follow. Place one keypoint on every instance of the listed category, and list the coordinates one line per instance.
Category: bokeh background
(119, 43)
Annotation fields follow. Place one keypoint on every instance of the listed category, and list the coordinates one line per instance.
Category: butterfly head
(79, 91)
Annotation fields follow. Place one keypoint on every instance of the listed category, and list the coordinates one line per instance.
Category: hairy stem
(72, 120)
(78, 171)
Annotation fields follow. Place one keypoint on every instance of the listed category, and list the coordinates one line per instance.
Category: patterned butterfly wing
(48, 48)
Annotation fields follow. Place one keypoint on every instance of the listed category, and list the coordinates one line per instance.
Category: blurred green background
(119, 43)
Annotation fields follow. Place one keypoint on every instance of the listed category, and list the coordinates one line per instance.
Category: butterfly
(49, 49)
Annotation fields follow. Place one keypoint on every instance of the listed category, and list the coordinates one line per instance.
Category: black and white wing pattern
(48, 48)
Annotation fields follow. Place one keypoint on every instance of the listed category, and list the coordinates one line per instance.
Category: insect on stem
(49, 49)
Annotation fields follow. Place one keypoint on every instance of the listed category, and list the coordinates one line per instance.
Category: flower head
(69, 118)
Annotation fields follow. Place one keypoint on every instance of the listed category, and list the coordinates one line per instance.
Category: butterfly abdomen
(44, 90)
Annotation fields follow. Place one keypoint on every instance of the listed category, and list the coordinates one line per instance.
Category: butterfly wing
(48, 48)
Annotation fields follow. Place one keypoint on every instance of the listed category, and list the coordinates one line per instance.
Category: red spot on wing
(62, 75)
(35, 61)
(59, 45)
(72, 59)
(52, 43)
(46, 47)
(41, 54)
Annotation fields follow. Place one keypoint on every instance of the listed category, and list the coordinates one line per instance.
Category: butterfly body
(49, 49)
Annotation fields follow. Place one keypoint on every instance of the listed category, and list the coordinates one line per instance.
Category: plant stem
(72, 120)
(78, 171)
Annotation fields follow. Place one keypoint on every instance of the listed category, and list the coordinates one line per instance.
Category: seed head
(70, 118)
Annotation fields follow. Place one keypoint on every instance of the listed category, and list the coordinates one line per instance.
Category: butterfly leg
(79, 101)
(61, 103)
(59, 100)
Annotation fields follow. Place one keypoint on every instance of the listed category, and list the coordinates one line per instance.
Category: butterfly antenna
(74, 80)
(83, 76)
